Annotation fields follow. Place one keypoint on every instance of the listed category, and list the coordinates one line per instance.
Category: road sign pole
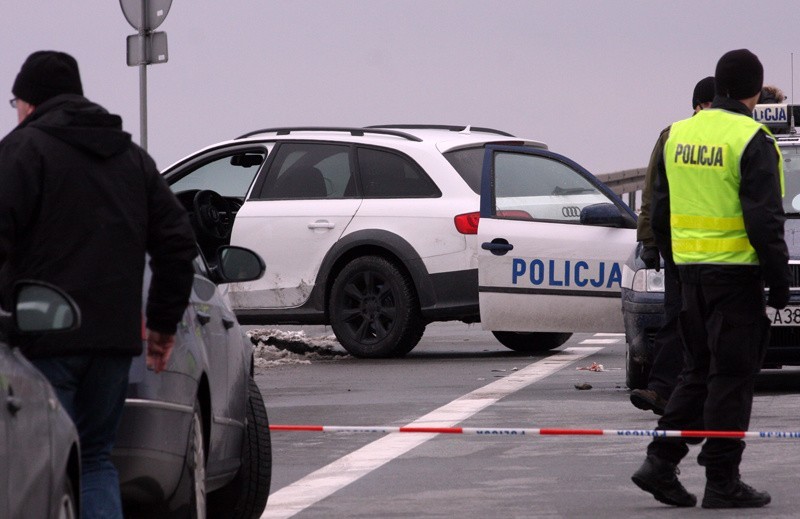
(146, 46)
(143, 81)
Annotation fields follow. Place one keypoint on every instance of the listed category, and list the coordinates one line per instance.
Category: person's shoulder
(20, 139)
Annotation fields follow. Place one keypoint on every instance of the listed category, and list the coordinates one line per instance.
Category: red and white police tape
(483, 431)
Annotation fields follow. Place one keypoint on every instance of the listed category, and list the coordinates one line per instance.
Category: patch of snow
(277, 347)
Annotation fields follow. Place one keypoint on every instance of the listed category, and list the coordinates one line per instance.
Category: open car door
(553, 241)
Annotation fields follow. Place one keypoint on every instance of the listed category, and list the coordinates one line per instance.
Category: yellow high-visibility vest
(703, 162)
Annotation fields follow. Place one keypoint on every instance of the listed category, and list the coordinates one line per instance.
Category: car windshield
(791, 171)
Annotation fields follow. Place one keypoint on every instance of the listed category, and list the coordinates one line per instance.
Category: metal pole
(143, 80)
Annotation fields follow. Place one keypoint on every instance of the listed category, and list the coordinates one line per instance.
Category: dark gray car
(39, 449)
(194, 439)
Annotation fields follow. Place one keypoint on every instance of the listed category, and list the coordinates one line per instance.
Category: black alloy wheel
(374, 310)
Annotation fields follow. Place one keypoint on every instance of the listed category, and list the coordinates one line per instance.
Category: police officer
(667, 348)
(717, 210)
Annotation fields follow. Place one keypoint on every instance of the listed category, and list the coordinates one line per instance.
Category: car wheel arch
(372, 242)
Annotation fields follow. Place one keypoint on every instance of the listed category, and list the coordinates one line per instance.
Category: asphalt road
(460, 375)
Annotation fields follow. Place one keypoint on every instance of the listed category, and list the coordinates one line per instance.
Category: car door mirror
(40, 307)
(236, 264)
(606, 215)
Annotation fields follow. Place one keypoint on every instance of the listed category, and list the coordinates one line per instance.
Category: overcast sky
(594, 79)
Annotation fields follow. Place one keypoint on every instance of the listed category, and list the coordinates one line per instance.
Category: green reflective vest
(703, 162)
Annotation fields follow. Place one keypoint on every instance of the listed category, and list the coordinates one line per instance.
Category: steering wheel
(213, 214)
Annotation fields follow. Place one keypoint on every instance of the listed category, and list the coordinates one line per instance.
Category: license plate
(789, 316)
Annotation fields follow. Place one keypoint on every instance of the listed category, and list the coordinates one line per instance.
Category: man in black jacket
(717, 211)
(80, 207)
(667, 347)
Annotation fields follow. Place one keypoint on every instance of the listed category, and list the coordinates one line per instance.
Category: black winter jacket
(80, 205)
(759, 194)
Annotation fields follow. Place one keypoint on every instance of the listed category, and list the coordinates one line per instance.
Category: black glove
(651, 258)
(778, 297)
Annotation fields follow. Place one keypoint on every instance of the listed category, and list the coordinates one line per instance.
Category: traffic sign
(154, 48)
(157, 10)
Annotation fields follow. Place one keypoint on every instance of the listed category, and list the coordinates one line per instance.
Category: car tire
(636, 373)
(374, 309)
(245, 497)
(189, 499)
(67, 508)
(531, 342)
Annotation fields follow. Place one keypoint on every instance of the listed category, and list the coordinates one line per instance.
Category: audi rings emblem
(571, 211)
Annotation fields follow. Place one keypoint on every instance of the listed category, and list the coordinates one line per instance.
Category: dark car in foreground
(39, 449)
(194, 439)
(643, 289)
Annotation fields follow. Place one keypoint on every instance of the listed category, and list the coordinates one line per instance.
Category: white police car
(643, 289)
(378, 231)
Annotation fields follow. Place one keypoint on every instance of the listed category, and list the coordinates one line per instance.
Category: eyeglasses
(13, 102)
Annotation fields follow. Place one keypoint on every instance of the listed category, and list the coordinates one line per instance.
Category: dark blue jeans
(92, 389)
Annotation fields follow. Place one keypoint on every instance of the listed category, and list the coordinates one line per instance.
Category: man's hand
(159, 349)
(651, 258)
(778, 297)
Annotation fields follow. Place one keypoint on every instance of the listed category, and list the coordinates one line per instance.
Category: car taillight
(467, 223)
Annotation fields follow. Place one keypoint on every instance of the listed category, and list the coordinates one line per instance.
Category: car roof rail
(358, 132)
(449, 127)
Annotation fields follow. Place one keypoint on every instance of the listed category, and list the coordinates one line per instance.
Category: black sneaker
(659, 477)
(648, 400)
(734, 495)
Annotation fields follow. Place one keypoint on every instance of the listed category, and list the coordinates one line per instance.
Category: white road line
(320, 484)
(600, 341)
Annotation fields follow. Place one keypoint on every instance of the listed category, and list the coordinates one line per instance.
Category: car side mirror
(606, 215)
(40, 307)
(236, 264)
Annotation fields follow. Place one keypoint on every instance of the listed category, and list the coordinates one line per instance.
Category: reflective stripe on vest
(703, 162)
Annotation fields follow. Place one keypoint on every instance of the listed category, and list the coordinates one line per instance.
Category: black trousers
(725, 332)
(667, 345)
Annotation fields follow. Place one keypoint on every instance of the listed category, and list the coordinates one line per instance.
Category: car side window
(391, 175)
(229, 175)
(308, 171)
(532, 187)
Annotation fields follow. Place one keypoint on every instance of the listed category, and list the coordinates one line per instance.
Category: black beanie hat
(46, 74)
(703, 91)
(739, 74)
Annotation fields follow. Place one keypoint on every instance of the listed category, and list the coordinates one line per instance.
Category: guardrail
(628, 184)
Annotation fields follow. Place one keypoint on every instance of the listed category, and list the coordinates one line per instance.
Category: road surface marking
(322, 483)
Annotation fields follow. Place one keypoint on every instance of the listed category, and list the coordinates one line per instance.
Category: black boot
(659, 477)
(733, 494)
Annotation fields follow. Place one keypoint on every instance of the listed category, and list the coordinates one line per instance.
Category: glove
(778, 297)
(651, 258)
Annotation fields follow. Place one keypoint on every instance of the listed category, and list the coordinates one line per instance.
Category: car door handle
(204, 318)
(228, 323)
(321, 224)
(14, 404)
(498, 246)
